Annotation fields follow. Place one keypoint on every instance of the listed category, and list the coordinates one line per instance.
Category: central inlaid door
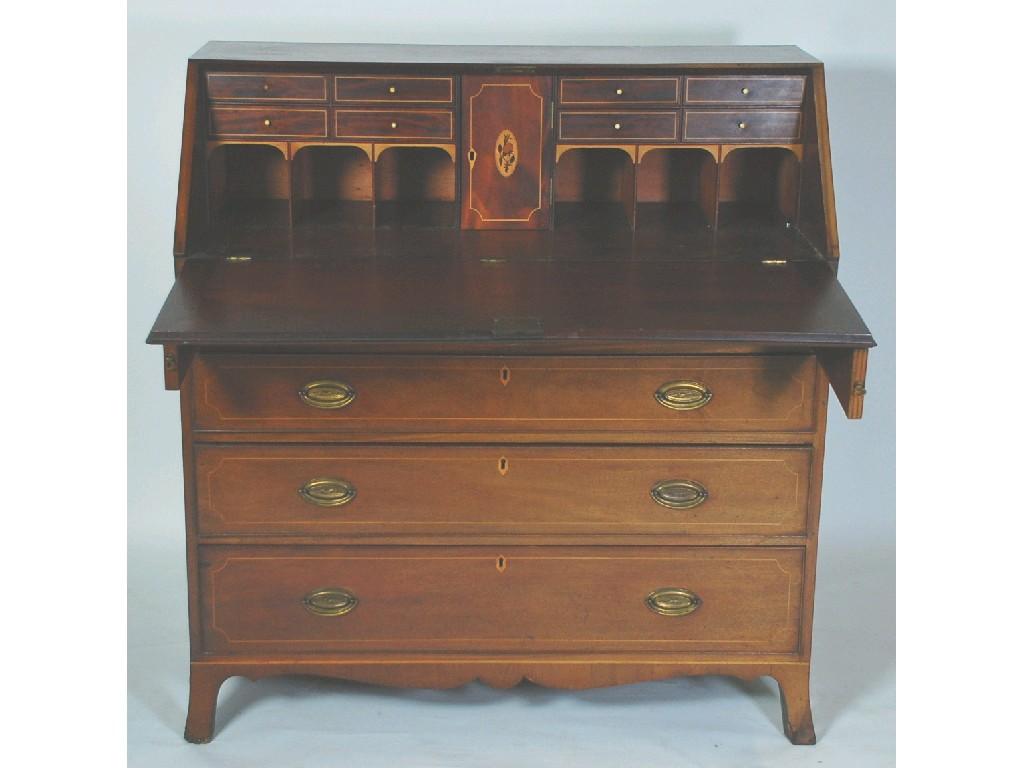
(506, 127)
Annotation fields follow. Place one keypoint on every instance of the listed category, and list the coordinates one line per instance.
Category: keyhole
(506, 374)
(501, 564)
(503, 466)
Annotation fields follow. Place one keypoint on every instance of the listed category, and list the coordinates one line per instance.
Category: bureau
(505, 363)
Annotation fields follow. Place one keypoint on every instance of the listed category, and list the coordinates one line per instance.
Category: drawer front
(502, 489)
(621, 90)
(394, 124)
(383, 88)
(251, 87)
(409, 394)
(742, 125)
(743, 89)
(268, 121)
(316, 599)
(618, 126)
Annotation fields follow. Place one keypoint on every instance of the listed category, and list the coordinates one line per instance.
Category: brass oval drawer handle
(683, 395)
(331, 601)
(673, 601)
(327, 492)
(327, 393)
(679, 494)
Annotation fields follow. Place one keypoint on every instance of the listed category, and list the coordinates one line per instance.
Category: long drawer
(401, 489)
(684, 599)
(408, 393)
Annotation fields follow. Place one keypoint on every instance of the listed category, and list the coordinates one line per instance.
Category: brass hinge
(170, 362)
(774, 262)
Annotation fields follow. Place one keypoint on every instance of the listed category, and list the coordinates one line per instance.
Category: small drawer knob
(741, 125)
(394, 124)
(618, 126)
(266, 122)
(391, 89)
(683, 395)
(679, 494)
(331, 601)
(327, 393)
(618, 91)
(266, 86)
(745, 91)
(327, 492)
(673, 601)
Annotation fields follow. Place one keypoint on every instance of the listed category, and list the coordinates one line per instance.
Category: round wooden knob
(618, 126)
(745, 91)
(267, 122)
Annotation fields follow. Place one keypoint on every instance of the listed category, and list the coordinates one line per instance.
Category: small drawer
(383, 88)
(618, 126)
(510, 598)
(394, 124)
(389, 490)
(619, 90)
(740, 126)
(763, 90)
(411, 394)
(256, 87)
(268, 121)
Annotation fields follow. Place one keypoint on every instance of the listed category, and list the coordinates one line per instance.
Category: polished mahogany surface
(452, 300)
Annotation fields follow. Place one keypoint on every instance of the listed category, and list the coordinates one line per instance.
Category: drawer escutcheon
(327, 492)
(330, 601)
(673, 601)
(327, 393)
(683, 395)
(679, 494)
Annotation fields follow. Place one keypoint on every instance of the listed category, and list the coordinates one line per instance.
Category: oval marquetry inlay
(506, 153)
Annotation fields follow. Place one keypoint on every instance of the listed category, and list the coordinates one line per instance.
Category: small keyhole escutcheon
(502, 466)
(505, 376)
(501, 564)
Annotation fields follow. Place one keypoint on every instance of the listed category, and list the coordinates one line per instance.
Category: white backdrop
(698, 722)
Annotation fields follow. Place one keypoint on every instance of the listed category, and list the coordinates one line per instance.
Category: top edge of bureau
(476, 57)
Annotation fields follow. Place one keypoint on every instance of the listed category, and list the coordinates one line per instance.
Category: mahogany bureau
(505, 363)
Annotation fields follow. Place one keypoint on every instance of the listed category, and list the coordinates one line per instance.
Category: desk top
(456, 304)
(538, 56)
